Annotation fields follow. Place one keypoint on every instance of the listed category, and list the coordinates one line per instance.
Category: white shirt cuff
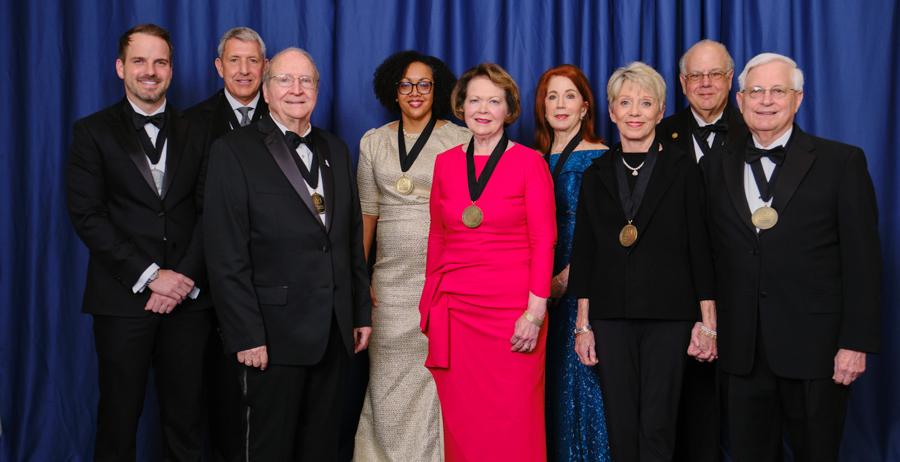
(142, 282)
(194, 293)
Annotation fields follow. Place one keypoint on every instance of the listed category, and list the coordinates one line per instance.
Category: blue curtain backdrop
(57, 65)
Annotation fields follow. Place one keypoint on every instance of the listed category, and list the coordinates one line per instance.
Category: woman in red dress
(489, 264)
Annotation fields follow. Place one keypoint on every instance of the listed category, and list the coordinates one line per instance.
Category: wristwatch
(581, 330)
(152, 278)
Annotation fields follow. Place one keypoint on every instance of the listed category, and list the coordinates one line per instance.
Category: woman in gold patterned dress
(401, 417)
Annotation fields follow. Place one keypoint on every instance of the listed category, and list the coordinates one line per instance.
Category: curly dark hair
(391, 71)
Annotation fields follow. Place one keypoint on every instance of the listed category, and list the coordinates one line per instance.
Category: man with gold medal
(793, 223)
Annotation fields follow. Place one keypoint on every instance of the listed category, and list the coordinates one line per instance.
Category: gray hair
(729, 61)
(244, 34)
(766, 58)
(640, 74)
(268, 71)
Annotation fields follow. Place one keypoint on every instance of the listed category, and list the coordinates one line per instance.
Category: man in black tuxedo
(793, 221)
(240, 63)
(134, 197)
(706, 73)
(288, 276)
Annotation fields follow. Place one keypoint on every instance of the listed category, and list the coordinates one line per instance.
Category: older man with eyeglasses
(793, 221)
(706, 72)
(285, 256)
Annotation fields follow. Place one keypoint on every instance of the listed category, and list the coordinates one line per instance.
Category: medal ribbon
(406, 160)
(631, 200)
(564, 156)
(477, 184)
(776, 155)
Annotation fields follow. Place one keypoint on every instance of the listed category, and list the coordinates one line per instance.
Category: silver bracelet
(582, 330)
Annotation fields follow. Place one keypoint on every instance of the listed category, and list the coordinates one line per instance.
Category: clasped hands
(168, 290)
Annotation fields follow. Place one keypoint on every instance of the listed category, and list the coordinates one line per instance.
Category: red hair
(543, 131)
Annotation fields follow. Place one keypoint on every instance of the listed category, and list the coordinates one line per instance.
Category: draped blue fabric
(57, 64)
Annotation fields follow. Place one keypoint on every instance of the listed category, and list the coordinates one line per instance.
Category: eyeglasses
(406, 87)
(287, 81)
(714, 76)
(777, 93)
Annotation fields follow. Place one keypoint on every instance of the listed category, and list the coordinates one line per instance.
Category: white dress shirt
(158, 170)
(235, 105)
(305, 155)
(750, 188)
(709, 140)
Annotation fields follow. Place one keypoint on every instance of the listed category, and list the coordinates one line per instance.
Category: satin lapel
(323, 153)
(227, 116)
(797, 162)
(284, 158)
(261, 108)
(604, 165)
(177, 126)
(126, 134)
(733, 170)
(660, 180)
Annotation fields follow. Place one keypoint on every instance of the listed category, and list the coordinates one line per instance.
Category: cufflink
(674, 135)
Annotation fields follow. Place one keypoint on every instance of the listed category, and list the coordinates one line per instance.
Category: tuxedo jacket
(279, 275)
(214, 117)
(811, 283)
(668, 270)
(678, 128)
(117, 212)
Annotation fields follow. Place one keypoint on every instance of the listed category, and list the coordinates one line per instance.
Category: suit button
(162, 213)
(325, 248)
(763, 294)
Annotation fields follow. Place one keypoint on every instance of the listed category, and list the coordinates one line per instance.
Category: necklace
(634, 170)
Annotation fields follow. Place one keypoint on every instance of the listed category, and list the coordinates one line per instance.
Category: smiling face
(635, 111)
(769, 117)
(146, 70)
(415, 105)
(708, 94)
(292, 104)
(485, 109)
(564, 105)
(241, 67)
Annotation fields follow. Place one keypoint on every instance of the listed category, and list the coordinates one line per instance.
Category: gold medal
(628, 235)
(404, 185)
(764, 217)
(472, 216)
(318, 202)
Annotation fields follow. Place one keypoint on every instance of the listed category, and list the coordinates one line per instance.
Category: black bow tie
(703, 132)
(294, 140)
(140, 120)
(775, 154)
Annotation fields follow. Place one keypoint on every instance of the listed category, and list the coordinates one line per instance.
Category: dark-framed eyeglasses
(287, 80)
(777, 92)
(715, 75)
(424, 86)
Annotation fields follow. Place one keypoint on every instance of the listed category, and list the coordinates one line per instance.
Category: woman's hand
(585, 348)
(559, 283)
(525, 336)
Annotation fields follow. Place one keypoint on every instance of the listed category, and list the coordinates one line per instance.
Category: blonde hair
(640, 74)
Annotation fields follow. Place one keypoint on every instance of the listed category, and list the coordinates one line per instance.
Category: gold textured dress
(401, 416)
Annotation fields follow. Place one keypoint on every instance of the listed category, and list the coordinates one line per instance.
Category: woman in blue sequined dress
(564, 121)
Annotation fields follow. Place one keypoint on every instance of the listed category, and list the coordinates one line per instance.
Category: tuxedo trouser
(174, 345)
(699, 421)
(761, 407)
(293, 413)
(641, 365)
(223, 400)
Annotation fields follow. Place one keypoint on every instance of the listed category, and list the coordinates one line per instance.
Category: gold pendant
(764, 217)
(472, 216)
(628, 235)
(318, 202)
(404, 185)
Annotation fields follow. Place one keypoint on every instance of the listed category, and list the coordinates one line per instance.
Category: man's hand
(361, 338)
(848, 366)
(172, 284)
(254, 357)
(161, 304)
